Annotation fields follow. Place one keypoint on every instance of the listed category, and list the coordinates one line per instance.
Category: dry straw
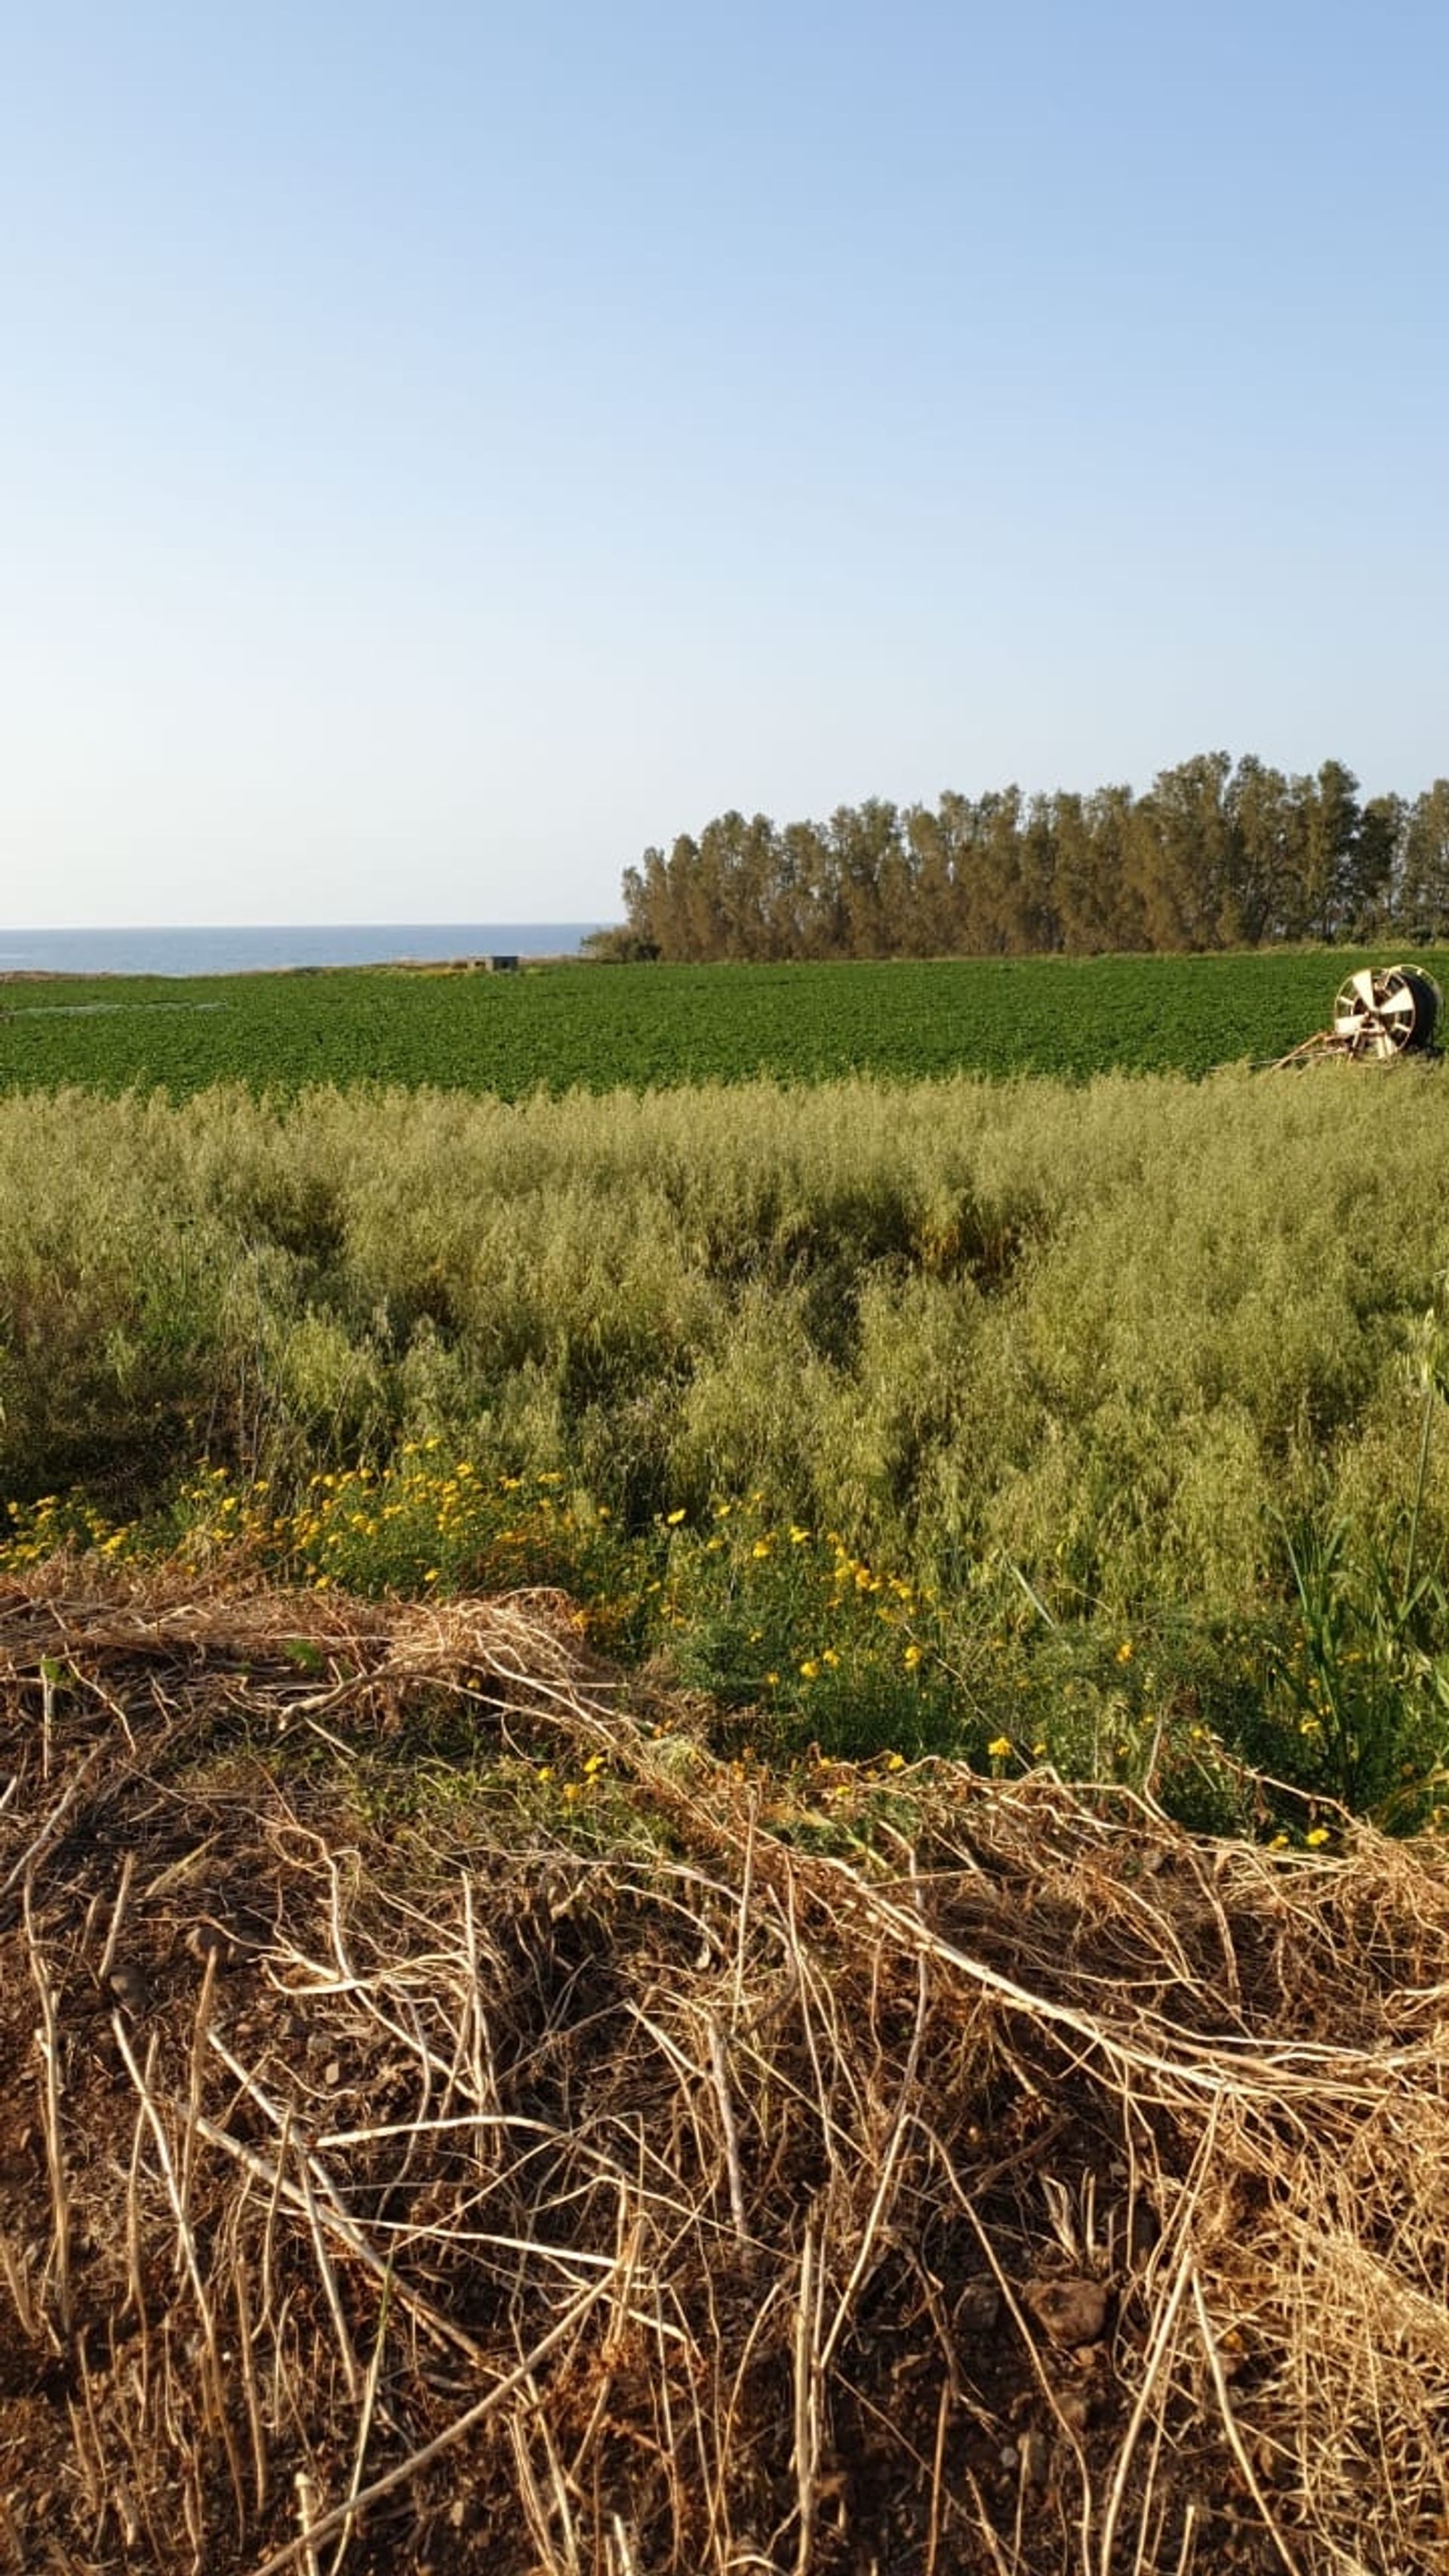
(702, 2173)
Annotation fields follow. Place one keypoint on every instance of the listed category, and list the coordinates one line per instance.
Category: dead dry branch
(404, 2163)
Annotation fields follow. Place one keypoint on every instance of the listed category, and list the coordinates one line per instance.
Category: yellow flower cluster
(56, 1521)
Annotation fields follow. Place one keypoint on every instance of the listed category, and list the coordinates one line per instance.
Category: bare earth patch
(448, 2119)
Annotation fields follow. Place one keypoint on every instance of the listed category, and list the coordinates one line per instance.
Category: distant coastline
(181, 951)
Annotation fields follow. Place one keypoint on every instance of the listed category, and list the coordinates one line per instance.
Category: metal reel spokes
(1385, 1010)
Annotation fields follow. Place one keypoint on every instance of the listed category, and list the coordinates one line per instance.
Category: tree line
(1215, 854)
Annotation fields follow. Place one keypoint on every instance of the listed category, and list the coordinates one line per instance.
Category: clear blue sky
(443, 449)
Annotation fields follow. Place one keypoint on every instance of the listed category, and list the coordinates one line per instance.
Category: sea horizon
(258, 948)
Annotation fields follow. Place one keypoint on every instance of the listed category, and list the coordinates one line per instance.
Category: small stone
(1071, 2312)
(978, 2307)
(1076, 2408)
(129, 1986)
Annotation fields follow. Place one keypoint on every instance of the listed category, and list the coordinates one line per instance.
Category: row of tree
(1213, 855)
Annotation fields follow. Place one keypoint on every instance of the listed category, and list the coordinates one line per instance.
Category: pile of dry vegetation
(480, 2178)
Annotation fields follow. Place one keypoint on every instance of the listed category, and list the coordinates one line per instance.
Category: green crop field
(602, 1028)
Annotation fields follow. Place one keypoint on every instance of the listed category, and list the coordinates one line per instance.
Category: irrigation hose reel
(1381, 1012)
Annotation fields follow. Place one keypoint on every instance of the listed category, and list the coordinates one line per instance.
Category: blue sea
(242, 952)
